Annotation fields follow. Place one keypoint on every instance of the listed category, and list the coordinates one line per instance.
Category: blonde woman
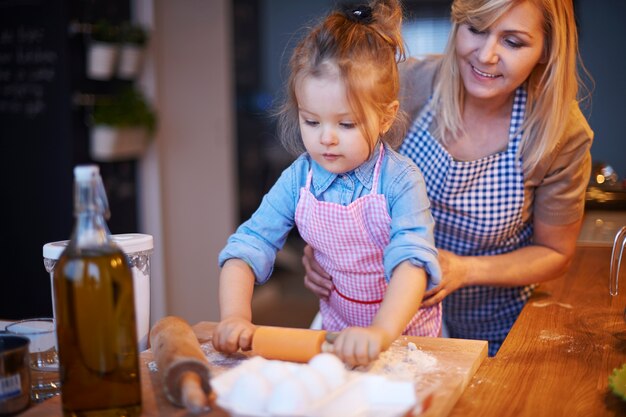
(505, 153)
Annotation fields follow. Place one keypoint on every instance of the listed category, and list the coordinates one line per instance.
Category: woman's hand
(233, 333)
(453, 277)
(361, 345)
(316, 279)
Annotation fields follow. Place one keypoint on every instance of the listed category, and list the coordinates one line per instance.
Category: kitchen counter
(560, 352)
(555, 362)
(456, 360)
(600, 226)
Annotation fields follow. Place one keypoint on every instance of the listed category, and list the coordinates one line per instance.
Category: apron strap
(377, 168)
(517, 119)
(308, 179)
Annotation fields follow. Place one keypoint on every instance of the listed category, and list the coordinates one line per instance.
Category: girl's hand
(453, 277)
(316, 279)
(233, 333)
(361, 345)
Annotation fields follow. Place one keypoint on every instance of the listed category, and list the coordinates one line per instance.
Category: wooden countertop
(560, 352)
(555, 362)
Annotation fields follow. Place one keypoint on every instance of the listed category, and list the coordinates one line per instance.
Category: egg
(274, 371)
(288, 398)
(331, 368)
(250, 393)
(313, 381)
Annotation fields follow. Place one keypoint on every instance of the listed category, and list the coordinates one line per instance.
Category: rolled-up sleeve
(412, 226)
(560, 188)
(258, 239)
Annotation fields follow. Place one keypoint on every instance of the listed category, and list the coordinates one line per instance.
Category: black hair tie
(361, 13)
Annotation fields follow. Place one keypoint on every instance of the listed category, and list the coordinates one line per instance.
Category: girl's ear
(390, 115)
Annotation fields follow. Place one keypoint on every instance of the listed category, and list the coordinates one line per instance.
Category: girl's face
(494, 62)
(328, 125)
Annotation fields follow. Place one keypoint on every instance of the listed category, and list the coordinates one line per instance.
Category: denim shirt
(411, 237)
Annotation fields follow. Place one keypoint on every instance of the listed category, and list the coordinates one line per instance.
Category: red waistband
(345, 297)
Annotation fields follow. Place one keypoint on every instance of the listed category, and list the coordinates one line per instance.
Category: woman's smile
(483, 74)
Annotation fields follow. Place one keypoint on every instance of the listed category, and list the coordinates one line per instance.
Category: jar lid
(128, 242)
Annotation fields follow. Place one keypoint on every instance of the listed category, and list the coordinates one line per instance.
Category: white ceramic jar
(138, 248)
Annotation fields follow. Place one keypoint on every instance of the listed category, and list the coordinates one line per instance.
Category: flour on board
(404, 362)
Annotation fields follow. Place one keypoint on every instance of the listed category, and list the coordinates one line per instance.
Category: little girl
(358, 203)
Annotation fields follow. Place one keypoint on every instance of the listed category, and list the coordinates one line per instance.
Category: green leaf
(125, 109)
(132, 33)
(105, 31)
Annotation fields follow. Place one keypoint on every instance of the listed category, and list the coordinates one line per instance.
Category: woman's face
(494, 62)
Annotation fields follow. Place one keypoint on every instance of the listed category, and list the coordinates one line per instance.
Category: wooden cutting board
(450, 366)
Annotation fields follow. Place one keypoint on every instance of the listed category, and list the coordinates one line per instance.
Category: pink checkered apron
(349, 242)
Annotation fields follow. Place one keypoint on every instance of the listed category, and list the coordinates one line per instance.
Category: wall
(602, 33)
(282, 23)
(194, 157)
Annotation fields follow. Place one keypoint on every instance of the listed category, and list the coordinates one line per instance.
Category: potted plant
(122, 127)
(102, 50)
(133, 40)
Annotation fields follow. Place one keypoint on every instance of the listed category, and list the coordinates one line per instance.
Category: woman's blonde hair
(364, 43)
(552, 86)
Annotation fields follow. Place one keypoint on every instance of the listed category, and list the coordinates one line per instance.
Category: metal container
(14, 374)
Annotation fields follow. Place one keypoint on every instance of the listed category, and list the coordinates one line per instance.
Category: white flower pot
(109, 144)
(131, 58)
(101, 60)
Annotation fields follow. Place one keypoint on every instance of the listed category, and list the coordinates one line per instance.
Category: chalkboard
(36, 152)
(43, 135)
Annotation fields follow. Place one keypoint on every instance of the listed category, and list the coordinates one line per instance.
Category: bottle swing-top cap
(86, 172)
(97, 200)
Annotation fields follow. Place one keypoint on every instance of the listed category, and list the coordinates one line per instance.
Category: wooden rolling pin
(287, 344)
(183, 366)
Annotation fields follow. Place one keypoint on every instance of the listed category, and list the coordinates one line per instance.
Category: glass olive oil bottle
(95, 312)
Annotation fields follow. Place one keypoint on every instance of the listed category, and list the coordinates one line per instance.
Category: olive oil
(96, 329)
(95, 314)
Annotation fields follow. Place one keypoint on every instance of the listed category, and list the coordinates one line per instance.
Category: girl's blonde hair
(365, 44)
(552, 85)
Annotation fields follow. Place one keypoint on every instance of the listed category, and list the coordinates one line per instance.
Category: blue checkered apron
(477, 206)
